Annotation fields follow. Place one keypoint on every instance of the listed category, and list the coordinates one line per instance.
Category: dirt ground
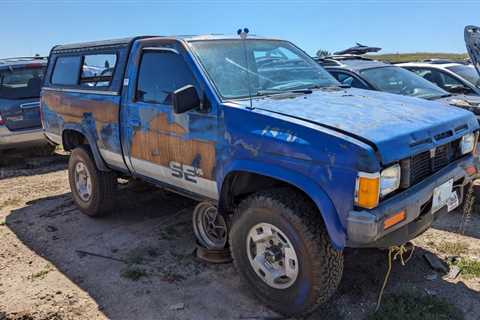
(138, 263)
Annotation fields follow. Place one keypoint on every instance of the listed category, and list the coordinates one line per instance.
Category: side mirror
(185, 99)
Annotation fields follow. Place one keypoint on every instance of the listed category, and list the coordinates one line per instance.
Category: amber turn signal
(368, 190)
(393, 220)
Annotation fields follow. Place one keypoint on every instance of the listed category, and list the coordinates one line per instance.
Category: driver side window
(160, 74)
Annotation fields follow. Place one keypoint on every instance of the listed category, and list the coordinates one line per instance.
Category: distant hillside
(407, 57)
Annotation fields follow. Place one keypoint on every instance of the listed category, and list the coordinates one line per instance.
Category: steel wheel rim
(83, 181)
(272, 256)
(210, 226)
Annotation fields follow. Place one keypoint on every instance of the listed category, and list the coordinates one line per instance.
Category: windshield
(21, 83)
(400, 81)
(467, 72)
(273, 66)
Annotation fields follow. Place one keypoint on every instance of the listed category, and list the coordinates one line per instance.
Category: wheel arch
(73, 135)
(245, 177)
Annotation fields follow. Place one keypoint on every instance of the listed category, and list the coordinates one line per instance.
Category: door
(19, 97)
(176, 149)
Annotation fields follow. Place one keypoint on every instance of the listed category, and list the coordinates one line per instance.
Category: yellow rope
(398, 252)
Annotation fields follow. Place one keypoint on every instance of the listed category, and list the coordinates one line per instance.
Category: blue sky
(31, 26)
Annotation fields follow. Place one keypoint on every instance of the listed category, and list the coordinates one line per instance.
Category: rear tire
(93, 190)
(315, 267)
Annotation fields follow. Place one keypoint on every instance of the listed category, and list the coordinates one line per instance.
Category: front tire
(93, 190)
(282, 250)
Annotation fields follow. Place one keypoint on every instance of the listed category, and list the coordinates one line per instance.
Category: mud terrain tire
(103, 184)
(320, 265)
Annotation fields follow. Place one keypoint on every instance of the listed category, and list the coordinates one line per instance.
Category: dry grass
(452, 248)
(10, 202)
(418, 56)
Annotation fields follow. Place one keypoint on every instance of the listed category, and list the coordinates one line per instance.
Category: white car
(454, 77)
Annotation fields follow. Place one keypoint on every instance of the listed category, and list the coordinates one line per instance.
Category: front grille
(424, 164)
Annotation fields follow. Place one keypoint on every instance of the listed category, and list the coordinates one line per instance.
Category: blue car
(20, 84)
(288, 166)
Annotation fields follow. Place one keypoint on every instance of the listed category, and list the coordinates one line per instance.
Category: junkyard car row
(291, 162)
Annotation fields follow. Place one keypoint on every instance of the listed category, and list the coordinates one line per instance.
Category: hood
(470, 103)
(396, 126)
(472, 41)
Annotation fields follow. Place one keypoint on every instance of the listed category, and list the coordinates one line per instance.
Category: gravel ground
(138, 262)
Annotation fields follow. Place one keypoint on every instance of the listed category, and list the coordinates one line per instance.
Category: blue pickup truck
(20, 83)
(288, 166)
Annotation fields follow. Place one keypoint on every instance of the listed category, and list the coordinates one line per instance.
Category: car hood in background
(471, 103)
(398, 126)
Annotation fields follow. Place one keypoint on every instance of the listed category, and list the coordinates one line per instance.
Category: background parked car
(360, 72)
(454, 77)
(20, 84)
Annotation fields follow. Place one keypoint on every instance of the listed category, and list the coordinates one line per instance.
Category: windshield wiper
(446, 95)
(279, 91)
(329, 87)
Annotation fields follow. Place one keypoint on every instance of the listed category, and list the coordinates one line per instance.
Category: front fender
(310, 187)
(100, 163)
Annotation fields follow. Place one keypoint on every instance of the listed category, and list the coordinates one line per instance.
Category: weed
(413, 306)
(41, 274)
(134, 273)
(135, 258)
(469, 268)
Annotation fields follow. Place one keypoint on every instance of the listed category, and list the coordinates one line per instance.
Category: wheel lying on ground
(281, 248)
(210, 226)
(93, 190)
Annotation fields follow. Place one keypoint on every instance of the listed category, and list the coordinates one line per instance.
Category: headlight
(467, 144)
(389, 180)
(371, 186)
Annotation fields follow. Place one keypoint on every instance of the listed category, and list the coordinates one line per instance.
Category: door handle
(30, 105)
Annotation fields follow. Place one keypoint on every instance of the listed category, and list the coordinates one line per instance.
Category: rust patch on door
(164, 142)
(74, 109)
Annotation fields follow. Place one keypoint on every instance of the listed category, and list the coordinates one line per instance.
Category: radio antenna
(243, 35)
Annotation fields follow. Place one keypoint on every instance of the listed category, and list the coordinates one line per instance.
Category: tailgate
(20, 115)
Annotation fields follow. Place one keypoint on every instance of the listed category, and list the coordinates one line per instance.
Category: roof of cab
(96, 44)
(126, 41)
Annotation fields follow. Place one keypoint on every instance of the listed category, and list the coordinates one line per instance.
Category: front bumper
(22, 138)
(365, 227)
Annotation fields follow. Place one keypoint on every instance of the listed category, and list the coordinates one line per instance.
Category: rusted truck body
(289, 166)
